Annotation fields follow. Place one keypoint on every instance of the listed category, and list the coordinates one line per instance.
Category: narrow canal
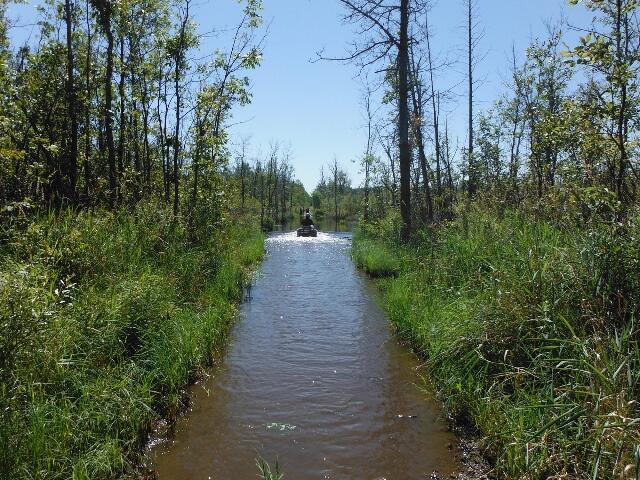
(313, 377)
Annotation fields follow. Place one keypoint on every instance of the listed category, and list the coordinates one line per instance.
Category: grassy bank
(531, 334)
(104, 319)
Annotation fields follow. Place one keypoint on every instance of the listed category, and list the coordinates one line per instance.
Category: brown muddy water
(313, 377)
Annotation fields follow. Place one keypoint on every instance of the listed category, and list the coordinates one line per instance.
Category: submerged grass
(531, 334)
(104, 319)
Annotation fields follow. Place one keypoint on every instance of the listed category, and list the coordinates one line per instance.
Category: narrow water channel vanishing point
(313, 377)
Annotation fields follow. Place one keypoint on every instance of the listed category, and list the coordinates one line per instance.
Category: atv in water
(307, 231)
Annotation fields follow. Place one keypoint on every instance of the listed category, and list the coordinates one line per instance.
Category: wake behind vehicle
(307, 231)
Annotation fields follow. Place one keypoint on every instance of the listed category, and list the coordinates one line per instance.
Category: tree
(367, 161)
(473, 38)
(612, 57)
(385, 27)
(335, 171)
(230, 87)
(177, 48)
(105, 12)
(435, 107)
(548, 79)
(417, 97)
(72, 107)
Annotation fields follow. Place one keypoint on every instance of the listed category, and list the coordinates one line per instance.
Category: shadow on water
(313, 377)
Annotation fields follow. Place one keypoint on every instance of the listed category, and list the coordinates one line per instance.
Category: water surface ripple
(314, 378)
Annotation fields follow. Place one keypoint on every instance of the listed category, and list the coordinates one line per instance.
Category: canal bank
(510, 314)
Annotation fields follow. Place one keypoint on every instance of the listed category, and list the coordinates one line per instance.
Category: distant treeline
(268, 187)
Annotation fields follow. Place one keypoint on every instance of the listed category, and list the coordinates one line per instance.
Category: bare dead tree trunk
(516, 138)
(472, 184)
(435, 107)
(416, 97)
(108, 114)
(368, 154)
(403, 121)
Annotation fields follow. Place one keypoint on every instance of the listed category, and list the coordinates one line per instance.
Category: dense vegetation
(106, 316)
(516, 273)
(511, 264)
(127, 227)
(529, 327)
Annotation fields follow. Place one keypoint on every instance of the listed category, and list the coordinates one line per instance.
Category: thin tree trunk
(403, 121)
(122, 124)
(436, 128)
(242, 188)
(262, 201)
(178, 94)
(108, 114)
(447, 159)
(622, 113)
(87, 111)
(72, 107)
(335, 192)
(416, 97)
(176, 142)
(196, 161)
(472, 186)
(516, 139)
(146, 158)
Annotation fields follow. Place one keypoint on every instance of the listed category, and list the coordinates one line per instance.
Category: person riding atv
(307, 229)
(307, 221)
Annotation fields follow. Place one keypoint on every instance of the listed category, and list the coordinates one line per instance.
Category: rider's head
(307, 215)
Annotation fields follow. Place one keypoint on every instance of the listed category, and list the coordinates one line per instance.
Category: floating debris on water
(283, 427)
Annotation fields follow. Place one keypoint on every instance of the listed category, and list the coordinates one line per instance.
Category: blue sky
(314, 108)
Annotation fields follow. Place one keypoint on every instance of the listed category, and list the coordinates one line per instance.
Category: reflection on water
(312, 377)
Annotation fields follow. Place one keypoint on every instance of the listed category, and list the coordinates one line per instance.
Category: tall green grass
(104, 319)
(531, 335)
(374, 257)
